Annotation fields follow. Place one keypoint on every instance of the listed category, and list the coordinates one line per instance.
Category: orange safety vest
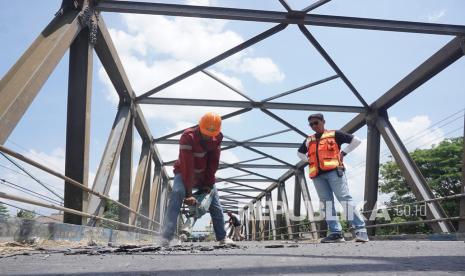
(323, 154)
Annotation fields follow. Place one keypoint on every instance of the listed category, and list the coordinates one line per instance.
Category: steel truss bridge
(80, 27)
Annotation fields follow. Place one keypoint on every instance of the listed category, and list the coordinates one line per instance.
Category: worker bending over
(199, 156)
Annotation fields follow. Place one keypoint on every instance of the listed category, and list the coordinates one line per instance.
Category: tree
(442, 168)
(3, 210)
(110, 212)
(25, 214)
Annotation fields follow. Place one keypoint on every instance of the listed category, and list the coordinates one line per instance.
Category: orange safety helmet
(210, 124)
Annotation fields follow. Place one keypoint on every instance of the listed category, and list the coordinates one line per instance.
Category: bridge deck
(382, 257)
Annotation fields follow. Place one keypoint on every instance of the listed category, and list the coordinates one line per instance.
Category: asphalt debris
(274, 246)
(131, 249)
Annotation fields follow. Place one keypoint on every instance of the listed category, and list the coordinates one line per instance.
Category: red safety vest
(324, 153)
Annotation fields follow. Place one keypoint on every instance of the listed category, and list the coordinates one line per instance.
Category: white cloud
(436, 16)
(417, 132)
(199, 2)
(155, 49)
(263, 69)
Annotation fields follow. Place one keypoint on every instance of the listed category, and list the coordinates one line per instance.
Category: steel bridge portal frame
(79, 26)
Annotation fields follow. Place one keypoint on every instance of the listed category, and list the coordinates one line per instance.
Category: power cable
(386, 152)
(28, 191)
(33, 177)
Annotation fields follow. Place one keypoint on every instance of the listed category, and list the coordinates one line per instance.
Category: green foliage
(3, 210)
(442, 168)
(25, 214)
(111, 212)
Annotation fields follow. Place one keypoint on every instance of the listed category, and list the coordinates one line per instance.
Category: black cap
(318, 116)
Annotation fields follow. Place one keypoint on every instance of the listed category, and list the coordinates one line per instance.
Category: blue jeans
(177, 196)
(328, 184)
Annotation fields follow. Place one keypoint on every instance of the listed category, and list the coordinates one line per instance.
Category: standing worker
(322, 151)
(235, 222)
(199, 156)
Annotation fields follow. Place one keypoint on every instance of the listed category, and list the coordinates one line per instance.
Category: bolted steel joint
(296, 16)
(89, 18)
(372, 116)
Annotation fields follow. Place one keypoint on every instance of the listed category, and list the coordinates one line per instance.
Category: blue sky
(155, 48)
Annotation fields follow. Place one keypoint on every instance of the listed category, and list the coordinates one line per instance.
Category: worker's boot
(361, 236)
(164, 242)
(226, 241)
(333, 238)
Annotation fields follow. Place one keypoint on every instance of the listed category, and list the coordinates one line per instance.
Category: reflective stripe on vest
(327, 157)
(185, 147)
(199, 154)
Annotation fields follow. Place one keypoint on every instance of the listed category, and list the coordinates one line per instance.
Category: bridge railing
(84, 188)
(301, 228)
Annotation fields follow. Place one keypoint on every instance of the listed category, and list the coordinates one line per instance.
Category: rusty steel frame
(148, 196)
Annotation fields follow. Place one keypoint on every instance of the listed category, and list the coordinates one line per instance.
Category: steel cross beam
(271, 215)
(243, 185)
(140, 181)
(216, 59)
(285, 5)
(224, 117)
(227, 199)
(269, 113)
(230, 201)
(330, 61)
(106, 169)
(248, 104)
(238, 143)
(218, 79)
(261, 152)
(106, 52)
(22, 83)
(300, 88)
(230, 205)
(239, 194)
(253, 166)
(125, 173)
(315, 5)
(284, 122)
(293, 17)
(231, 144)
(253, 173)
(232, 179)
(242, 94)
(239, 190)
(244, 180)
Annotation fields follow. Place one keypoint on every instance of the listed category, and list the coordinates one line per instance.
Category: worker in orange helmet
(199, 156)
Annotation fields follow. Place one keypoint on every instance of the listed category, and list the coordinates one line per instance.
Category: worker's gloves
(191, 201)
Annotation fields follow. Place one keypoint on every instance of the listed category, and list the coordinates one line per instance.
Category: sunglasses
(314, 123)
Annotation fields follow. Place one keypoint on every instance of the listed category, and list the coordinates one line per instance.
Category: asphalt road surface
(255, 258)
